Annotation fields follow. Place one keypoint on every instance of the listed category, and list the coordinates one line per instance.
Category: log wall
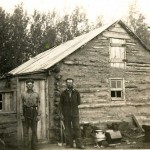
(90, 68)
(8, 117)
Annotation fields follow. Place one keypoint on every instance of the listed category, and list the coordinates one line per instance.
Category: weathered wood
(14, 101)
(51, 81)
(117, 29)
(132, 44)
(18, 105)
(138, 64)
(116, 35)
(117, 25)
(47, 108)
(117, 45)
(138, 121)
(33, 76)
(131, 86)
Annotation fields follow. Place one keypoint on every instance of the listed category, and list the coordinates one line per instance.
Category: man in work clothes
(69, 101)
(30, 115)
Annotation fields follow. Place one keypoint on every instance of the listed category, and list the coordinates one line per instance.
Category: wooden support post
(18, 107)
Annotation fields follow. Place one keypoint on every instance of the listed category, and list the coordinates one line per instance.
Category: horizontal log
(132, 44)
(89, 90)
(117, 45)
(101, 105)
(138, 65)
(144, 71)
(102, 38)
(125, 103)
(130, 86)
(138, 62)
(116, 35)
(97, 47)
(138, 69)
(87, 84)
(117, 29)
(135, 73)
(101, 94)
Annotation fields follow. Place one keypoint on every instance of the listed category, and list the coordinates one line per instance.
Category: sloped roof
(52, 56)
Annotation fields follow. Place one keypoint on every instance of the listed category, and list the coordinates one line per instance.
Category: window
(6, 102)
(117, 89)
(1, 102)
(117, 53)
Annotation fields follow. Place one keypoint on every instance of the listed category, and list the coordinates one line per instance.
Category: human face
(29, 86)
(69, 84)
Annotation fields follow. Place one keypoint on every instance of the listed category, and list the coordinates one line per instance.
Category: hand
(22, 118)
(38, 118)
(61, 117)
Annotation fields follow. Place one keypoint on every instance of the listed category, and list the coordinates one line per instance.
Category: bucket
(99, 135)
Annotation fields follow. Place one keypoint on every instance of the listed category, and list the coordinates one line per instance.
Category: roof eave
(133, 34)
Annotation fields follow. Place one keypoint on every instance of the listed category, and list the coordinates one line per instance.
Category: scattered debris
(147, 132)
(113, 136)
(138, 121)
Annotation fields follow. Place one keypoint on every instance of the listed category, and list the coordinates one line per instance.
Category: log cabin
(111, 69)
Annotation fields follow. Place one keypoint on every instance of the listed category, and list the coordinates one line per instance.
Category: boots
(79, 144)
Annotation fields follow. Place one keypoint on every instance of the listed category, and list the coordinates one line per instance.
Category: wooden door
(40, 87)
(117, 53)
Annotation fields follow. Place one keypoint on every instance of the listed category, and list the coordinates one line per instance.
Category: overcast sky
(110, 9)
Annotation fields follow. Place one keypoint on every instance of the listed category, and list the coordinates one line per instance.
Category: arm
(61, 104)
(78, 98)
(22, 107)
(38, 105)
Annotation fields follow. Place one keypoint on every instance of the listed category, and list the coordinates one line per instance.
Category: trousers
(72, 130)
(30, 123)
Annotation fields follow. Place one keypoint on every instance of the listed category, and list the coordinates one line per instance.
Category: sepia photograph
(74, 74)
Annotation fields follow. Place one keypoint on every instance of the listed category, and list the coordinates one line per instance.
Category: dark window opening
(1, 100)
(112, 93)
(116, 94)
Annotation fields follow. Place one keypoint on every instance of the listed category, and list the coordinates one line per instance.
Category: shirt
(31, 99)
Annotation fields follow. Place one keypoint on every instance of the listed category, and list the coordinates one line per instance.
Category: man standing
(69, 101)
(30, 115)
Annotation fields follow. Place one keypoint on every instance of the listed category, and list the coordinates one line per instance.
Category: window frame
(122, 89)
(7, 106)
(118, 61)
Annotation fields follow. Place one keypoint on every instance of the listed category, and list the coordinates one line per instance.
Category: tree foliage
(13, 38)
(136, 21)
(23, 36)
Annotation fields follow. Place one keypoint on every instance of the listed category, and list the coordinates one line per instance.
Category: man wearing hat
(30, 115)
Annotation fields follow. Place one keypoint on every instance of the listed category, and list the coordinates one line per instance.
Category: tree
(136, 21)
(3, 40)
(36, 33)
(73, 25)
(23, 37)
(14, 38)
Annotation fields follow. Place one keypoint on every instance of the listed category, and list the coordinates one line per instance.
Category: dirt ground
(126, 143)
(132, 138)
(134, 143)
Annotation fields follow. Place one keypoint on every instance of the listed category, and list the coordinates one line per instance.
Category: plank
(116, 35)
(118, 29)
(138, 121)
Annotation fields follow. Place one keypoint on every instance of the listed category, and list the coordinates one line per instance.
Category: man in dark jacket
(69, 101)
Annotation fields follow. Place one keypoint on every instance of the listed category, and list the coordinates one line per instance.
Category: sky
(110, 9)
